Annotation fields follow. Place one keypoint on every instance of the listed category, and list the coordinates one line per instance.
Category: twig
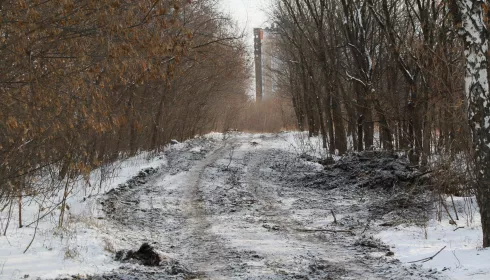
(324, 230)
(454, 254)
(457, 228)
(35, 229)
(334, 218)
(454, 207)
(231, 157)
(367, 225)
(3, 265)
(45, 214)
(447, 210)
(429, 258)
(8, 218)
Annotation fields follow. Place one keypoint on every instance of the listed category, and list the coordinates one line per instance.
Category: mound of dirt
(146, 255)
(382, 184)
(368, 169)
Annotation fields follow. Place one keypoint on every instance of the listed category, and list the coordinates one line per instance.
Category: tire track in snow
(206, 250)
(336, 259)
(228, 215)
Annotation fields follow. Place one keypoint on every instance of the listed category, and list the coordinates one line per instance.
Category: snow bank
(81, 246)
(463, 257)
(297, 143)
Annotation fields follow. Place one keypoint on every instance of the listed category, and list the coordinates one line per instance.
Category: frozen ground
(80, 246)
(244, 206)
(462, 258)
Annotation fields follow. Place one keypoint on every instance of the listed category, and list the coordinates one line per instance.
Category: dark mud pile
(145, 255)
(392, 190)
(368, 169)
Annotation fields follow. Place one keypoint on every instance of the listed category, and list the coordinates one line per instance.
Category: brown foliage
(84, 82)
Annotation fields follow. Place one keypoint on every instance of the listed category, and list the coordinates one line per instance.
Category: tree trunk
(156, 124)
(478, 96)
(385, 132)
(133, 135)
(368, 127)
(417, 127)
(413, 126)
(312, 128)
(102, 149)
(93, 152)
(322, 122)
(352, 122)
(340, 137)
(331, 136)
(360, 121)
(20, 206)
(427, 130)
(397, 135)
(404, 135)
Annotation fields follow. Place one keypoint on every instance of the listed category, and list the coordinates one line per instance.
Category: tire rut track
(227, 213)
(207, 250)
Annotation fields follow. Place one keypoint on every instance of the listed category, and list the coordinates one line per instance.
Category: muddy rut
(239, 208)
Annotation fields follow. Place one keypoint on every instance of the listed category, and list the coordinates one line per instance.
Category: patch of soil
(368, 169)
(112, 196)
(326, 270)
(140, 179)
(387, 185)
(146, 255)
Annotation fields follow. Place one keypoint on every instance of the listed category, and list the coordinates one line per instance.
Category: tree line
(86, 82)
(412, 72)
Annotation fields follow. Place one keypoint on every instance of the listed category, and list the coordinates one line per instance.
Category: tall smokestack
(258, 36)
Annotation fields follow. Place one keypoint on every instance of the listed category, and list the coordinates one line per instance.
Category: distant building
(258, 37)
(264, 52)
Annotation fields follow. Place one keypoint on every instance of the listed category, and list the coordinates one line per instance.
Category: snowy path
(231, 210)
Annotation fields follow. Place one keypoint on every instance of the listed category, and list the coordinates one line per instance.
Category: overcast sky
(251, 10)
(248, 13)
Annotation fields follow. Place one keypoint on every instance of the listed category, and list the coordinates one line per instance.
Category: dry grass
(272, 115)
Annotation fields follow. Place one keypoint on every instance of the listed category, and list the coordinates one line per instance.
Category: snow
(85, 246)
(81, 247)
(463, 258)
(215, 135)
(299, 143)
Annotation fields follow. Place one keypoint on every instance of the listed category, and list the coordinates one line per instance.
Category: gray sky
(248, 13)
(251, 10)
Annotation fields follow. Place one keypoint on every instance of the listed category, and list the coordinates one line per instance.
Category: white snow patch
(214, 135)
(463, 258)
(196, 149)
(82, 246)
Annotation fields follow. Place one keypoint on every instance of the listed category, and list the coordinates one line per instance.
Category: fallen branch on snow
(429, 258)
(334, 218)
(324, 230)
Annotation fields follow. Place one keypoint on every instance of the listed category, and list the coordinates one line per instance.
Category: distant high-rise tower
(258, 36)
(264, 48)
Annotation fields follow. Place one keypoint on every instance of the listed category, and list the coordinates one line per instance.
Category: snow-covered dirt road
(241, 208)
